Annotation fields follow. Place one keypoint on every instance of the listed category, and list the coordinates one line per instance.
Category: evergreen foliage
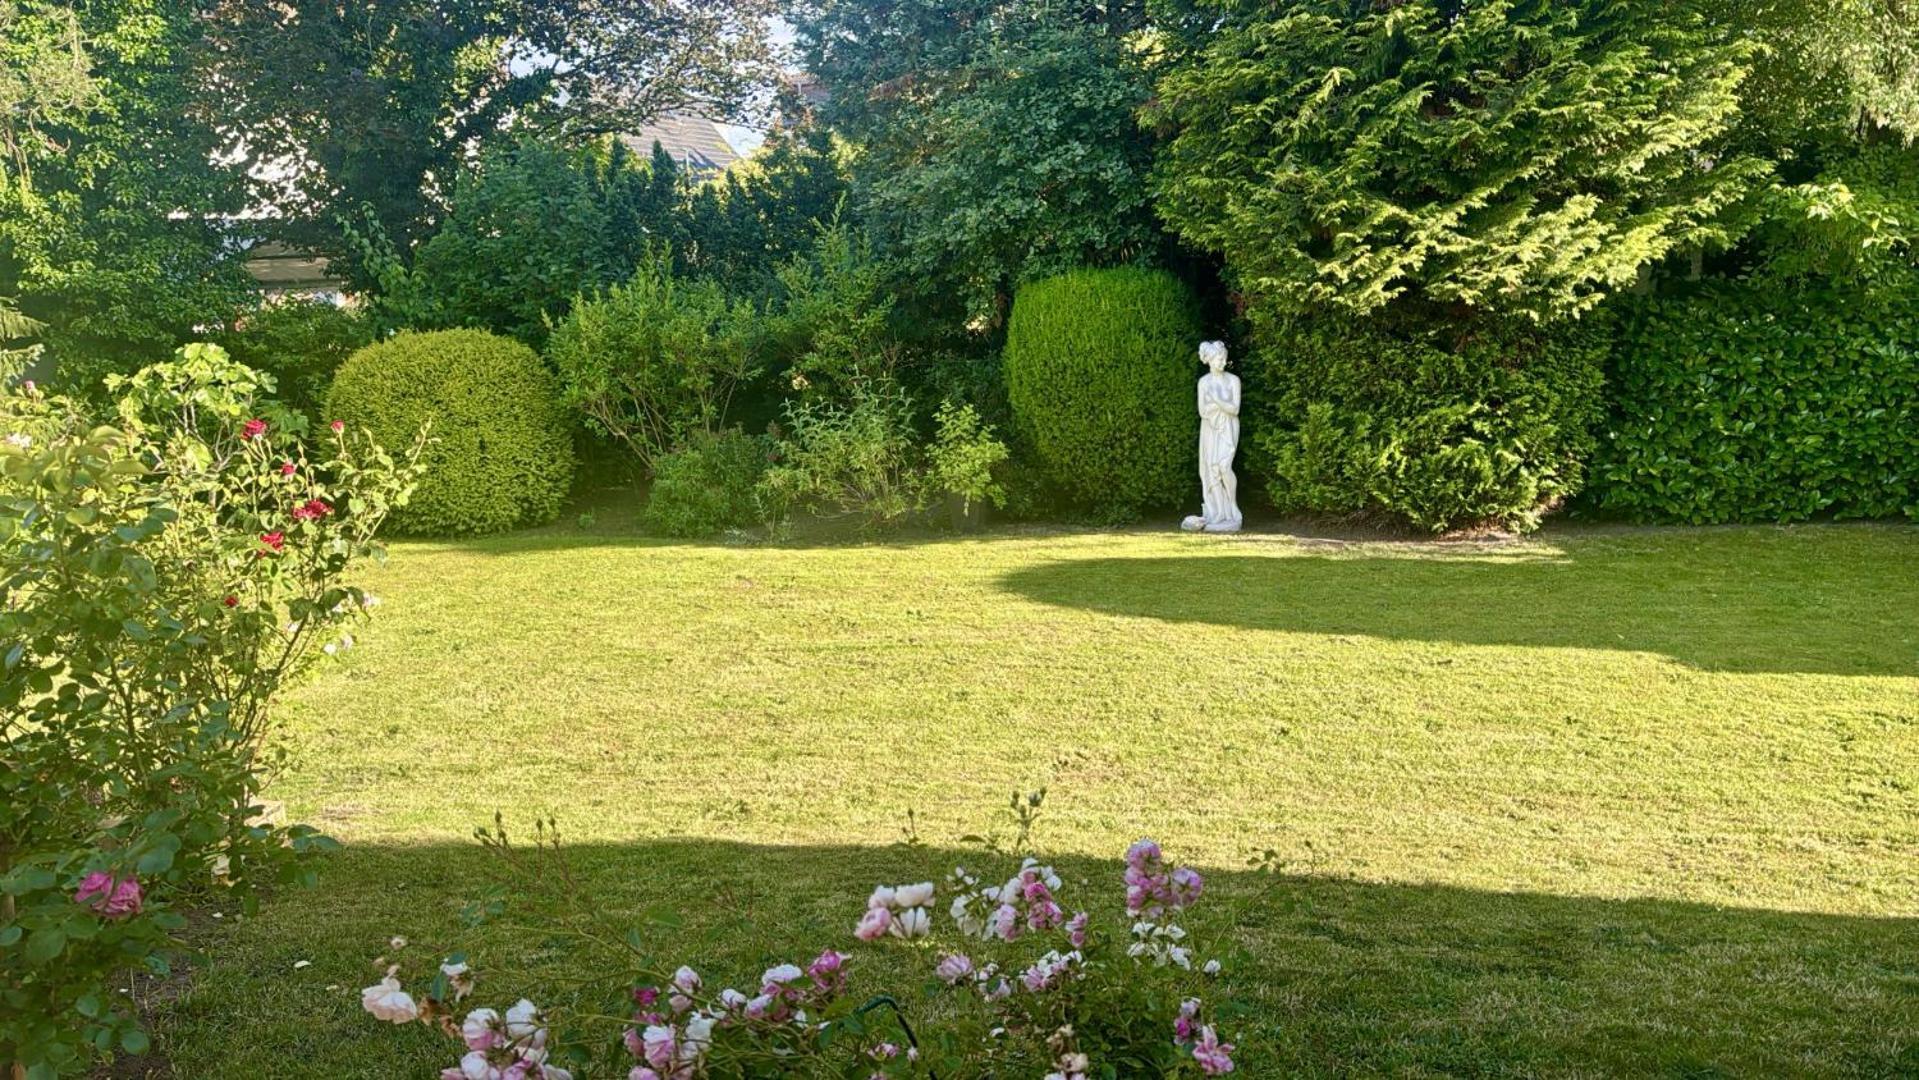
(501, 453)
(998, 139)
(1434, 431)
(1754, 402)
(1100, 368)
(1518, 156)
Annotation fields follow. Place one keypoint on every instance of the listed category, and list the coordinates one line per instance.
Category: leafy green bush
(859, 460)
(962, 457)
(654, 362)
(1436, 434)
(301, 343)
(502, 450)
(160, 579)
(707, 485)
(1753, 403)
(1100, 367)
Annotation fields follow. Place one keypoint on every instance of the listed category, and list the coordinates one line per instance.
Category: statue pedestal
(1195, 523)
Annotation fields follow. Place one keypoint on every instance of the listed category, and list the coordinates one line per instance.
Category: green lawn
(1603, 802)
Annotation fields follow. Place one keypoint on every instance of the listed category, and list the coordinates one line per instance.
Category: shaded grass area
(1604, 802)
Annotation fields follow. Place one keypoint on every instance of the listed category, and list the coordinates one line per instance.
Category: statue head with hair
(1213, 355)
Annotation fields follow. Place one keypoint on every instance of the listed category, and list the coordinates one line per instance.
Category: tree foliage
(110, 196)
(997, 138)
(374, 103)
(1518, 155)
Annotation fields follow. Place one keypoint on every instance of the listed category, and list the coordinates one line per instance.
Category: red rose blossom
(338, 426)
(274, 540)
(231, 601)
(311, 510)
(286, 468)
(253, 428)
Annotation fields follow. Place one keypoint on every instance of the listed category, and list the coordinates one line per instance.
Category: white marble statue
(1218, 442)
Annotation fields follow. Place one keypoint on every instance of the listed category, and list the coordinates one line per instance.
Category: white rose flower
(1211, 968)
(883, 896)
(686, 979)
(780, 976)
(475, 1066)
(912, 923)
(732, 998)
(699, 1032)
(387, 1001)
(912, 896)
(523, 1022)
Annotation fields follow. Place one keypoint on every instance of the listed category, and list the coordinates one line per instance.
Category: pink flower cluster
(1151, 888)
(1048, 971)
(1026, 902)
(1214, 1057)
(108, 896)
(671, 1044)
(510, 1047)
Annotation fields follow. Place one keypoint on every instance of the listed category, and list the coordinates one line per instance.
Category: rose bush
(160, 578)
(1019, 987)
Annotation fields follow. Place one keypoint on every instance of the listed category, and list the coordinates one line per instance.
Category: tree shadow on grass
(1763, 607)
(1324, 977)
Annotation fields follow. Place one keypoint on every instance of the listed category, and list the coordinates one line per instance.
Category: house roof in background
(694, 142)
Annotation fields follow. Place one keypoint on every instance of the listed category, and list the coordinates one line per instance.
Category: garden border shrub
(1474, 425)
(1751, 402)
(502, 450)
(1100, 367)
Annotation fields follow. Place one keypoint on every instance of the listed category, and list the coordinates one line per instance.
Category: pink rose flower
(1214, 1057)
(337, 426)
(873, 925)
(107, 896)
(253, 428)
(953, 968)
(1076, 930)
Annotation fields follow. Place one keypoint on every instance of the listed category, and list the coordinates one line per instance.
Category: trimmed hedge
(502, 454)
(1436, 432)
(1743, 403)
(1100, 367)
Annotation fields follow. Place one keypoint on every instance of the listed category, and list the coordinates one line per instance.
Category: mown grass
(1606, 802)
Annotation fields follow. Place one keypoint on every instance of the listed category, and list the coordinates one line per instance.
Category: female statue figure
(1218, 442)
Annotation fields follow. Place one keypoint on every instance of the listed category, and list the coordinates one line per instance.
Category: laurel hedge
(1749, 403)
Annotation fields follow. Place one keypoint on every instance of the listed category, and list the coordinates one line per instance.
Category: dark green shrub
(502, 454)
(707, 485)
(301, 343)
(1436, 434)
(1100, 368)
(1754, 403)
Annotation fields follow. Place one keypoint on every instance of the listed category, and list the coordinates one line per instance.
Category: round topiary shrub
(502, 454)
(1100, 368)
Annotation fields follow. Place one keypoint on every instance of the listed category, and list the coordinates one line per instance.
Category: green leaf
(44, 945)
